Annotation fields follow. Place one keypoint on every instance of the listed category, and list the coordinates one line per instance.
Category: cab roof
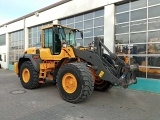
(51, 25)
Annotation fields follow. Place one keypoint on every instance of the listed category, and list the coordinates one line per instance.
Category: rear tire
(28, 76)
(102, 86)
(81, 80)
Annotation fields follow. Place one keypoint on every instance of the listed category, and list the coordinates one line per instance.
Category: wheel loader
(77, 71)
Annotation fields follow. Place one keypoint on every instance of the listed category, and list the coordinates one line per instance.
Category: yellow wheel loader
(77, 71)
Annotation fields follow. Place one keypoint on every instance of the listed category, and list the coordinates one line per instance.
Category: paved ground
(46, 104)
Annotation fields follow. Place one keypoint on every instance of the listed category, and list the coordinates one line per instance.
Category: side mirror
(81, 34)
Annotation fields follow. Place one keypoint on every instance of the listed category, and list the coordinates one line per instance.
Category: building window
(91, 23)
(16, 45)
(3, 39)
(35, 34)
(137, 35)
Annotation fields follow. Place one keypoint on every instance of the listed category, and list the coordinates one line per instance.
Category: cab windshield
(68, 36)
(57, 36)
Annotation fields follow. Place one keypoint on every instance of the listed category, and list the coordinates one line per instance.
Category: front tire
(28, 76)
(75, 82)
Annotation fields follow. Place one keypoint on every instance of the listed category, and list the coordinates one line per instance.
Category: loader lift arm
(122, 75)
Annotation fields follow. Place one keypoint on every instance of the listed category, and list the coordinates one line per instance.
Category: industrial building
(130, 28)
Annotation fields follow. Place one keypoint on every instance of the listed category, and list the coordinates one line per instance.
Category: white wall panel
(109, 18)
(3, 30)
(67, 9)
(15, 26)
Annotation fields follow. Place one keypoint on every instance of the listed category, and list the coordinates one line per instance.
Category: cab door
(48, 39)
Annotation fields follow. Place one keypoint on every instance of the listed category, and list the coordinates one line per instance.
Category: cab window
(48, 38)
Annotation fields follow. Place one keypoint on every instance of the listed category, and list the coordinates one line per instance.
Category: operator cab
(56, 36)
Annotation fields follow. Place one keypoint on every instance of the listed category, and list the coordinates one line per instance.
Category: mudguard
(29, 57)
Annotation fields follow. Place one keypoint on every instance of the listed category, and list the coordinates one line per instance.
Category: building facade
(130, 28)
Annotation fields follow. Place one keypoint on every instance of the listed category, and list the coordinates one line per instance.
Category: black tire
(34, 76)
(84, 78)
(102, 86)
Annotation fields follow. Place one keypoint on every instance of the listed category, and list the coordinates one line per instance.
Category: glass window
(153, 2)
(138, 26)
(79, 42)
(63, 22)
(29, 30)
(87, 41)
(39, 28)
(99, 22)
(91, 23)
(71, 25)
(138, 37)
(142, 42)
(78, 35)
(140, 60)
(153, 73)
(154, 24)
(139, 14)
(16, 45)
(124, 17)
(79, 25)
(154, 11)
(88, 16)
(35, 32)
(88, 33)
(99, 31)
(67, 34)
(48, 42)
(121, 49)
(34, 29)
(154, 36)
(79, 18)
(154, 48)
(99, 13)
(122, 8)
(88, 24)
(39, 34)
(70, 20)
(154, 61)
(137, 48)
(122, 28)
(122, 39)
(2, 39)
(138, 4)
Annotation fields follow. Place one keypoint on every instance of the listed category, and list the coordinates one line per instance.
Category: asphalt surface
(45, 103)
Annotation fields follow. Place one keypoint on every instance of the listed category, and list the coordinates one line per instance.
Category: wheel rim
(26, 75)
(69, 83)
(99, 82)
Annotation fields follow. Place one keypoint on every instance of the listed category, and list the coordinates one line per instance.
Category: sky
(13, 9)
